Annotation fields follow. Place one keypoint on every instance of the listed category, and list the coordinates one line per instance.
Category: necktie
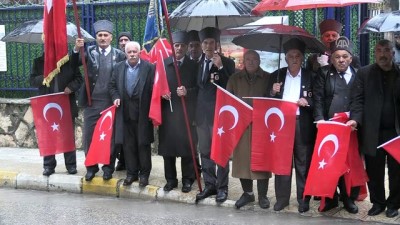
(206, 70)
(103, 52)
(179, 63)
(343, 75)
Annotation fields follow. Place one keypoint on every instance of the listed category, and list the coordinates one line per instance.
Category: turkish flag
(329, 159)
(273, 135)
(53, 122)
(231, 118)
(55, 38)
(393, 148)
(162, 45)
(160, 88)
(100, 148)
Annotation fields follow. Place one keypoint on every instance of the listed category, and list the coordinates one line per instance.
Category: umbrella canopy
(198, 14)
(271, 37)
(384, 22)
(31, 32)
(267, 5)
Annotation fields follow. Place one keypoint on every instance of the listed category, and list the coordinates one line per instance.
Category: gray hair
(132, 43)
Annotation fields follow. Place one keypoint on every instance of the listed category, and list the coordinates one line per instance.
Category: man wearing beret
(294, 84)
(173, 136)
(332, 95)
(100, 59)
(213, 68)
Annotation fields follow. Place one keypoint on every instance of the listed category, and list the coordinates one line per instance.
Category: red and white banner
(53, 122)
(273, 135)
(162, 45)
(393, 148)
(100, 148)
(231, 118)
(55, 38)
(329, 159)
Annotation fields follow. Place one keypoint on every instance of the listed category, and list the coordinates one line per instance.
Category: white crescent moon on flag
(108, 115)
(49, 5)
(50, 106)
(334, 139)
(232, 110)
(276, 111)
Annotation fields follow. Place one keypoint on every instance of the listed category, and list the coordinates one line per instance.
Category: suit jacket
(324, 90)
(92, 60)
(307, 125)
(366, 105)
(145, 84)
(207, 91)
(69, 76)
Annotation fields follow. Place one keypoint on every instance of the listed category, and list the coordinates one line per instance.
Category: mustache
(383, 58)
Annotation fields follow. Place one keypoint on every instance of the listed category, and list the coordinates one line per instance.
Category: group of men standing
(331, 84)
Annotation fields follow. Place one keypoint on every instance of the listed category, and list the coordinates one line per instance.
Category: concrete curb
(8, 179)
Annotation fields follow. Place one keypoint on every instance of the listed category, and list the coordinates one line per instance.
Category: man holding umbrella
(213, 68)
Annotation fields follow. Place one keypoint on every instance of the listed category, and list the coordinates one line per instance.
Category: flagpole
(82, 53)
(178, 76)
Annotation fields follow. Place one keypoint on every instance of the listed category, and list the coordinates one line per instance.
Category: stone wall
(17, 128)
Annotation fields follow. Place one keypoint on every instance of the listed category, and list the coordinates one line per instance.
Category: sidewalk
(22, 169)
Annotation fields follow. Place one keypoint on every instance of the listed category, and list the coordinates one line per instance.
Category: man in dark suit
(332, 95)
(173, 135)
(295, 84)
(130, 89)
(194, 48)
(213, 68)
(100, 59)
(69, 80)
(374, 111)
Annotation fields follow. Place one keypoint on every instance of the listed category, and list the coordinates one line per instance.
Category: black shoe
(129, 180)
(330, 204)
(279, 206)
(143, 182)
(244, 200)
(120, 166)
(304, 207)
(263, 202)
(207, 192)
(48, 171)
(107, 176)
(186, 187)
(376, 210)
(390, 213)
(222, 195)
(72, 170)
(170, 185)
(90, 174)
(350, 206)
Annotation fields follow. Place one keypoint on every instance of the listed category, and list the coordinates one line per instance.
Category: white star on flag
(272, 137)
(221, 131)
(102, 136)
(322, 164)
(55, 126)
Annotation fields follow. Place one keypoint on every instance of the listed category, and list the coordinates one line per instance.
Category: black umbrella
(198, 14)
(384, 22)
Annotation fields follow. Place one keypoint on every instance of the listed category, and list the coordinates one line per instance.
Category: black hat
(294, 43)
(330, 25)
(193, 35)
(126, 34)
(342, 43)
(209, 32)
(180, 37)
(103, 25)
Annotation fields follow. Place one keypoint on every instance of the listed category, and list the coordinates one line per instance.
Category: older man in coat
(130, 89)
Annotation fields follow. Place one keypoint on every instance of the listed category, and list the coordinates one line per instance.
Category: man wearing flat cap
(332, 89)
(100, 59)
(213, 68)
(293, 83)
(194, 48)
(123, 37)
(173, 136)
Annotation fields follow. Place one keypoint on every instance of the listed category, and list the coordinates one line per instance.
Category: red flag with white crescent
(393, 148)
(55, 38)
(161, 46)
(231, 118)
(273, 135)
(53, 123)
(100, 148)
(328, 162)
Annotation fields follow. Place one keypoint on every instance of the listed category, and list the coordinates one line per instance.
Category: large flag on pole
(53, 123)
(393, 148)
(154, 24)
(55, 38)
(273, 135)
(100, 148)
(231, 118)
